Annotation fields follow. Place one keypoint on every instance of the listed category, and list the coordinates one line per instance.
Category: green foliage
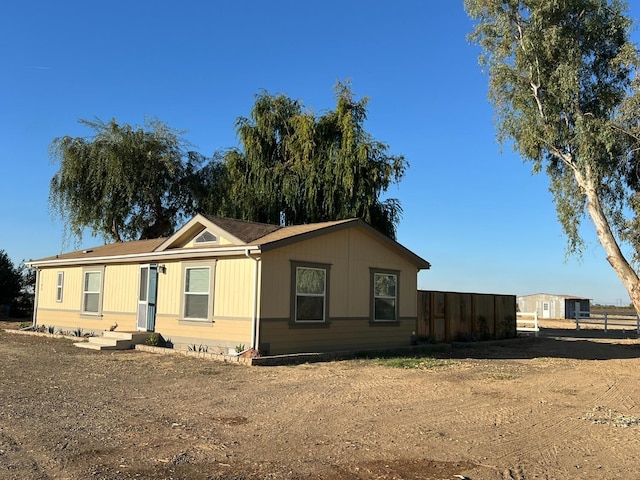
(558, 74)
(153, 340)
(77, 332)
(10, 280)
(125, 182)
(240, 348)
(129, 182)
(296, 168)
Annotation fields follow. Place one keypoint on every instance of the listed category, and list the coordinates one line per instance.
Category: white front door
(545, 310)
(147, 292)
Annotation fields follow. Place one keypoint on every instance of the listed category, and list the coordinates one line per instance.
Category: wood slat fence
(455, 316)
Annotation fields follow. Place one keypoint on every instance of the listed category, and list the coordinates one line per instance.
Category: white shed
(553, 306)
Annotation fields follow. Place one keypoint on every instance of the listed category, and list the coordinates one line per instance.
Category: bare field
(560, 406)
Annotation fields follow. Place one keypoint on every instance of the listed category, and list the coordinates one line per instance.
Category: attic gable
(227, 232)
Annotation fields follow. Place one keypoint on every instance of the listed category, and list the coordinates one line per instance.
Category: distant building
(553, 306)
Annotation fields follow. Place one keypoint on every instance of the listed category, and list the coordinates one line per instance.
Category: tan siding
(120, 290)
(343, 334)
(170, 289)
(72, 288)
(351, 253)
(70, 320)
(223, 333)
(234, 281)
(233, 296)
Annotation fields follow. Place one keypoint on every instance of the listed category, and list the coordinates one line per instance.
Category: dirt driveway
(544, 409)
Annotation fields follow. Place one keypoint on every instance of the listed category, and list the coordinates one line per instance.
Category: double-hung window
(59, 287)
(197, 293)
(384, 297)
(92, 292)
(310, 292)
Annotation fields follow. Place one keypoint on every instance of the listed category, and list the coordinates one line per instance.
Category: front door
(545, 310)
(147, 293)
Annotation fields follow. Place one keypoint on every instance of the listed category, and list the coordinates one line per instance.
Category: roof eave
(166, 255)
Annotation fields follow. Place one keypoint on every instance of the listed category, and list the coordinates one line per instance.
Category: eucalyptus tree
(294, 167)
(560, 78)
(125, 182)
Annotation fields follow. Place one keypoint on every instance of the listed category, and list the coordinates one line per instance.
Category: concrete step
(95, 346)
(134, 336)
(114, 340)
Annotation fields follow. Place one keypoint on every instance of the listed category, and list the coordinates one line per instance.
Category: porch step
(114, 340)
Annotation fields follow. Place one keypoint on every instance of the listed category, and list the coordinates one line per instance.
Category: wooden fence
(454, 316)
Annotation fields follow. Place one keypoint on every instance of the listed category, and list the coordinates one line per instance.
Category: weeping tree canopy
(561, 80)
(127, 182)
(124, 182)
(294, 167)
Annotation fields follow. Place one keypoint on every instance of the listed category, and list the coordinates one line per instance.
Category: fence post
(577, 319)
(537, 328)
(638, 324)
(605, 322)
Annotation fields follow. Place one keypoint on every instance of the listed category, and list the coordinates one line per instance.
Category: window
(384, 295)
(310, 292)
(59, 286)
(196, 293)
(91, 292)
(206, 237)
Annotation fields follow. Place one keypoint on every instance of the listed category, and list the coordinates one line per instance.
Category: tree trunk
(615, 257)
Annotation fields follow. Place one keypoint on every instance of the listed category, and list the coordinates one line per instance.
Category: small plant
(152, 340)
(77, 332)
(51, 329)
(240, 348)
(24, 325)
(200, 349)
(168, 343)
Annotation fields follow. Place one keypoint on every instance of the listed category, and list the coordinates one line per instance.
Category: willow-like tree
(560, 76)
(295, 168)
(124, 182)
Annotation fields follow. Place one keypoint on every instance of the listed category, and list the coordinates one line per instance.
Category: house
(553, 306)
(224, 283)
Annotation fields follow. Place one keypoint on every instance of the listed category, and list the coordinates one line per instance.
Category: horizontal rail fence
(606, 320)
(527, 322)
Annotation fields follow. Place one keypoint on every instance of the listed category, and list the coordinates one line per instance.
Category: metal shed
(553, 306)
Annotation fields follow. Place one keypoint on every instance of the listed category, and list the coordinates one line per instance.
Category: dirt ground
(565, 405)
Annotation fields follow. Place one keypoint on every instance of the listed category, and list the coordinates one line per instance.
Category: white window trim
(99, 292)
(210, 265)
(60, 287)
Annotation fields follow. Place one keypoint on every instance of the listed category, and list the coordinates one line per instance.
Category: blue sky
(476, 213)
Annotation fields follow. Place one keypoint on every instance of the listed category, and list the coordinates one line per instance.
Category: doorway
(147, 293)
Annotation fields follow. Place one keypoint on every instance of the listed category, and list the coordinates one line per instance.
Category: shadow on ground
(555, 343)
